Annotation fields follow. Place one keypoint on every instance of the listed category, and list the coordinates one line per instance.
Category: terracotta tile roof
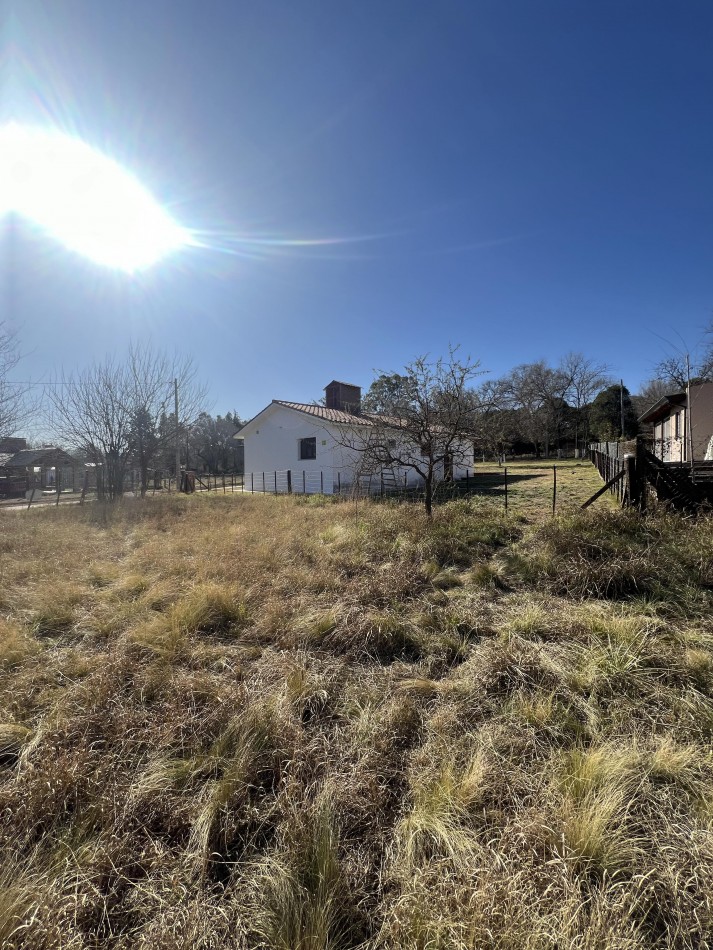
(328, 415)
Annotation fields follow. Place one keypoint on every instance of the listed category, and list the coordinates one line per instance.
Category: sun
(82, 198)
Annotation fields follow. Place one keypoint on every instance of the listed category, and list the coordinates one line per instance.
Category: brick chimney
(343, 396)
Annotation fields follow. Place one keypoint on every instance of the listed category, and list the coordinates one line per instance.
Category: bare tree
(154, 377)
(92, 412)
(497, 421)
(675, 370)
(15, 403)
(426, 423)
(115, 411)
(586, 379)
(539, 392)
(649, 393)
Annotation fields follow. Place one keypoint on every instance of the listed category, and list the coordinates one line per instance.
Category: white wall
(272, 445)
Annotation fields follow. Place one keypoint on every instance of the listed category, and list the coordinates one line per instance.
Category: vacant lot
(233, 722)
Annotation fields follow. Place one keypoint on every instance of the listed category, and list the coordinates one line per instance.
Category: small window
(308, 449)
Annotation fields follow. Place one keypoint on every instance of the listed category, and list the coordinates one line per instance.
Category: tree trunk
(429, 495)
(144, 472)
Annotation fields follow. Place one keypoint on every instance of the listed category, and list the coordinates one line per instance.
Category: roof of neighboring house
(667, 404)
(335, 416)
(327, 415)
(662, 408)
(34, 456)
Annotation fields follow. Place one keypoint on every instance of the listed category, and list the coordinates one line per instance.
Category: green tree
(606, 414)
(386, 390)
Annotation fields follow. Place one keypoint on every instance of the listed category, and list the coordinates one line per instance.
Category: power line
(29, 382)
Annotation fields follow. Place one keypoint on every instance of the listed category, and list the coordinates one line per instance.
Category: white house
(316, 446)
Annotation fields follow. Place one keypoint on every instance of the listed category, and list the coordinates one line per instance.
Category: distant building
(40, 469)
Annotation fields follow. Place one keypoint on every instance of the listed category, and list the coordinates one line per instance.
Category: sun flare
(84, 199)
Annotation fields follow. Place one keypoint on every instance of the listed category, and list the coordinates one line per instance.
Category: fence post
(641, 464)
(554, 488)
(506, 489)
(382, 485)
(339, 483)
(252, 482)
(321, 481)
(263, 483)
(275, 482)
(304, 482)
(58, 479)
(631, 490)
(289, 481)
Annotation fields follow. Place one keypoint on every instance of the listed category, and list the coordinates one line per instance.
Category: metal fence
(381, 485)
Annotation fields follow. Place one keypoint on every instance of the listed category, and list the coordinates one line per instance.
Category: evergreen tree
(606, 415)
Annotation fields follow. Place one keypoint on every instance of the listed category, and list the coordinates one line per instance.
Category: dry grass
(283, 723)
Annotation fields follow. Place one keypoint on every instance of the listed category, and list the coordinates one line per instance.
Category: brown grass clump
(276, 723)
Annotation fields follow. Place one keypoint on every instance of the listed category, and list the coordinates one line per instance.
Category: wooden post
(506, 489)
(304, 482)
(321, 482)
(641, 472)
(58, 480)
(339, 483)
(275, 482)
(263, 483)
(84, 487)
(630, 493)
(223, 482)
(252, 482)
(32, 495)
(554, 488)
(382, 485)
(289, 481)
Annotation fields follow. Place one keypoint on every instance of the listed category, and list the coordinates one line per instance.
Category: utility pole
(621, 405)
(178, 442)
(689, 425)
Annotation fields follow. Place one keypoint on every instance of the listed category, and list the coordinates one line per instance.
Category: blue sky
(521, 178)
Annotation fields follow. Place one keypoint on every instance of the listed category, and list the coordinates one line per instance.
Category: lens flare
(82, 198)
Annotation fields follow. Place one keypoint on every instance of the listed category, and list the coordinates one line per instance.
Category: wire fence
(375, 486)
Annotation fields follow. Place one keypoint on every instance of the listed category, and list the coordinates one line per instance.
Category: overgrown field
(230, 722)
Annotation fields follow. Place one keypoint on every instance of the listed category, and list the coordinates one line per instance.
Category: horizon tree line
(120, 413)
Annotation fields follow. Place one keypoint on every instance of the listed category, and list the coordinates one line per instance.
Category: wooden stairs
(676, 485)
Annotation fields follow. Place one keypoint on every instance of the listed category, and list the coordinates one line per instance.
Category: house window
(308, 448)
